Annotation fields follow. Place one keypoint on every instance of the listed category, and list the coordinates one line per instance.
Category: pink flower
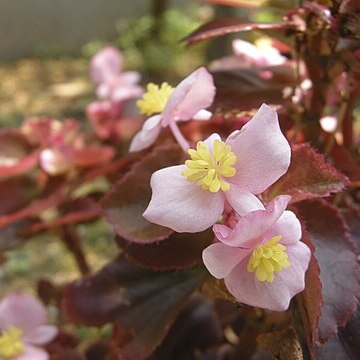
(113, 84)
(57, 157)
(262, 260)
(187, 101)
(23, 328)
(191, 197)
(260, 54)
(104, 117)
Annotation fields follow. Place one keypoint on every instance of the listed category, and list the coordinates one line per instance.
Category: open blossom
(113, 84)
(104, 117)
(187, 101)
(262, 260)
(23, 328)
(57, 157)
(191, 197)
(263, 53)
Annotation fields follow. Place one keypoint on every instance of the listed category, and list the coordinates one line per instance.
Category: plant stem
(179, 136)
(158, 9)
(72, 241)
(345, 119)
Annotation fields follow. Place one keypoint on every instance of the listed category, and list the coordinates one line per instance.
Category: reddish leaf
(237, 3)
(308, 177)
(179, 251)
(243, 89)
(345, 346)
(126, 202)
(118, 167)
(92, 156)
(339, 270)
(251, 3)
(78, 211)
(52, 196)
(102, 350)
(352, 219)
(183, 340)
(142, 302)
(16, 193)
(311, 298)
(221, 27)
(16, 154)
(345, 162)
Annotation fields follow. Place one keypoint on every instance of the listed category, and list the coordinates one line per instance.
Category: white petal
(180, 205)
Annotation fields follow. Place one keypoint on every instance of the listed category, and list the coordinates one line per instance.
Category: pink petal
(247, 50)
(55, 161)
(104, 90)
(128, 78)
(263, 153)
(105, 64)
(221, 259)
(209, 141)
(127, 92)
(203, 115)
(147, 135)
(222, 232)
(288, 226)
(33, 353)
(22, 311)
(194, 93)
(41, 335)
(250, 228)
(275, 296)
(242, 201)
(180, 205)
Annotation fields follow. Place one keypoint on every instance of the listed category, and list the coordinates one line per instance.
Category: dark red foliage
(143, 303)
(16, 154)
(339, 269)
(126, 202)
(179, 251)
(221, 27)
(308, 177)
(79, 210)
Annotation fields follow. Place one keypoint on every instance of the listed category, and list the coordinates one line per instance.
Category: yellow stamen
(267, 259)
(208, 170)
(11, 344)
(155, 99)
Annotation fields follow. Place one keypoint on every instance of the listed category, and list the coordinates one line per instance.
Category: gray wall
(29, 25)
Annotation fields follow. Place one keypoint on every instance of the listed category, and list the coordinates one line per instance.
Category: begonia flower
(57, 156)
(113, 83)
(104, 117)
(263, 53)
(23, 328)
(187, 101)
(262, 260)
(191, 197)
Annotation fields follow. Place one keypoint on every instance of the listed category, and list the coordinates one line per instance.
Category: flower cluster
(260, 255)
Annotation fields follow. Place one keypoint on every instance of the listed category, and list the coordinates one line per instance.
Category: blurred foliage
(24, 266)
(154, 45)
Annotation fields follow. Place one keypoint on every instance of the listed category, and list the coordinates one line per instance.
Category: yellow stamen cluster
(11, 344)
(208, 170)
(267, 259)
(155, 99)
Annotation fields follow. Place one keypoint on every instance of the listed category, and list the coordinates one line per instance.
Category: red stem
(72, 242)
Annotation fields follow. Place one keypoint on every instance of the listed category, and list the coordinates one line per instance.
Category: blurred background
(45, 51)
(46, 45)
